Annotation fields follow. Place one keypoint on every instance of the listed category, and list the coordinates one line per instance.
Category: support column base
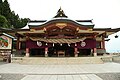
(95, 54)
(76, 55)
(46, 55)
(27, 55)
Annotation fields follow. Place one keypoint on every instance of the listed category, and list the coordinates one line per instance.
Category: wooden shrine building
(62, 36)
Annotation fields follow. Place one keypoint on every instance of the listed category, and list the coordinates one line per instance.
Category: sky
(104, 13)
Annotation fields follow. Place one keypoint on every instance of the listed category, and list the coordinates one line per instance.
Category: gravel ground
(1, 63)
(109, 76)
(104, 76)
(11, 76)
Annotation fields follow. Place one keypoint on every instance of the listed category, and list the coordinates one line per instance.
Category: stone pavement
(60, 72)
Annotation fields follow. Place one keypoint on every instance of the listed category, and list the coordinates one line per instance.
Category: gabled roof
(40, 22)
(60, 17)
(86, 23)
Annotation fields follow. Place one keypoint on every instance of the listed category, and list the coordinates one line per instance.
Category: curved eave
(108, 31)
(60, 20)
(84, 20)
(114, 30)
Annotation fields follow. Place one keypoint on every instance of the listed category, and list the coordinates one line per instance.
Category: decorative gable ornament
(61, 25)
(83, 44)
(39, 43)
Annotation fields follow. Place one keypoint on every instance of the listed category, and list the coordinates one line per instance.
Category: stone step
(116, 59)
(0, 77)
(107, 59)
(55, 61)
(62, 77)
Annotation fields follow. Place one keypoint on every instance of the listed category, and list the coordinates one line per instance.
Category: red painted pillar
(46, 52)
(27, 49)
(95, 49)
(76, 50)
(95, 52)
(27, 52)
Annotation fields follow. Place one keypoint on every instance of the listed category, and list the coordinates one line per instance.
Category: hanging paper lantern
(39, 43)
(83, 44)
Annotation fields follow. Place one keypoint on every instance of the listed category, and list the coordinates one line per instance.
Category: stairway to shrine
(57, 60)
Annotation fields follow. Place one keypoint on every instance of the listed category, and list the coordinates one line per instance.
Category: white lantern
(83, 44)
(39, 43)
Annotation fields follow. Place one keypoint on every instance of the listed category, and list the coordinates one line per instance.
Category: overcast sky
(105, 13)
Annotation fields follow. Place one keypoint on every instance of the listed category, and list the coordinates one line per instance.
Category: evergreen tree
(1, 3)
(6, 9)
(24, 21)
(11, 19)
(3, 22)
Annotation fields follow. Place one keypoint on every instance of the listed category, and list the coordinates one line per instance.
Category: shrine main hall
(62, 37)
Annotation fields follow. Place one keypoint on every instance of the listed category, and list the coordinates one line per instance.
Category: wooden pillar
(95, 52)
(103, 43)
(46, 52)
(27, 52)
(17, 45)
